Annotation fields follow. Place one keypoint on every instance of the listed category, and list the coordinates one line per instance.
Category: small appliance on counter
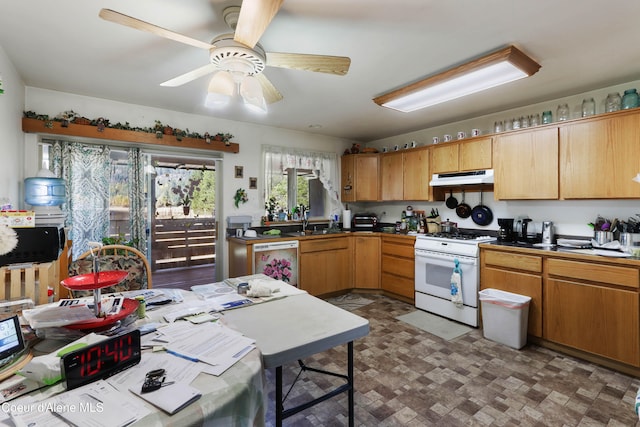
(505, 233)
(364, 222)
(547, 233)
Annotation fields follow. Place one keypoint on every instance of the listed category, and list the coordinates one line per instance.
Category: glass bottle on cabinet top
(613, 102)
(563, 112)
(588, 107)
(630, 99)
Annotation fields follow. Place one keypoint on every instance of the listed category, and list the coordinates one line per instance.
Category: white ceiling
(582, 45)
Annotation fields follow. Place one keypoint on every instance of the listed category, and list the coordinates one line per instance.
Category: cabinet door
(391, 185)
(366, 262)
(416, 175)
(315, 272)
(475, 154)
(325, 265)
(366, 185)
(526, 165)
(599, 157)
(347, 178)
(444, 158)
(593, 318)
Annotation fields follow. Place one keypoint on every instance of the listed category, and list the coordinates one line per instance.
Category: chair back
(116, 257)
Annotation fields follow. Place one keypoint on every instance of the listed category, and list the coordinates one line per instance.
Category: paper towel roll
(346, 220)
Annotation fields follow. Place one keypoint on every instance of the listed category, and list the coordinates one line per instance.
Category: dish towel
(456, 284)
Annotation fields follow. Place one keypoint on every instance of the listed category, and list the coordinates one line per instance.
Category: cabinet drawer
(398, 285)
(398, 266)
(512, 261)
(326, 244)
(400, 250)
(610, 274)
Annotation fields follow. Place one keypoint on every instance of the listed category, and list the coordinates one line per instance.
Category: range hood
(462, 178)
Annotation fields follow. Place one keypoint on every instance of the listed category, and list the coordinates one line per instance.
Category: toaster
(364, 222)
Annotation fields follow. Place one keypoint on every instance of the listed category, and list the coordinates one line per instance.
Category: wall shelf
(89, 131)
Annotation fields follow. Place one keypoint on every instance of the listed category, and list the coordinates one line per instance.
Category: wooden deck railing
(182, 242)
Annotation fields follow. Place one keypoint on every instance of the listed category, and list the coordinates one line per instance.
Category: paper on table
(222, 347)
(176, 369)
(81, 406)
(48, 316)
(171, 398)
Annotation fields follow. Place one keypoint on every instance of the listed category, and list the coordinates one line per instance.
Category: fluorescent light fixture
(497, 68)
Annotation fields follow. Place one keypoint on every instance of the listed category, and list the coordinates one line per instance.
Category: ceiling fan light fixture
(221, 89)
(497, 68)
(251, 93)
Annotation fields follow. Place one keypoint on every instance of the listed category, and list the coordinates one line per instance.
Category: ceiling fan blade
(190, 76)
(255, 16)
(269, 91)
(317, 63)
(137, 24)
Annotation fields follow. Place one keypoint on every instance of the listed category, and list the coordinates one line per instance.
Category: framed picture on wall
(253, 183)
(239, 171)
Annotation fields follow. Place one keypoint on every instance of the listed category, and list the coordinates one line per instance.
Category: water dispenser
(45, 193)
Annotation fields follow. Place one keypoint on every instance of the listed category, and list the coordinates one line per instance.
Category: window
(295, 178)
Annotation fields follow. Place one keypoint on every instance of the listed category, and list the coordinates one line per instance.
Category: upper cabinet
(599, 156)
(359, 177)
(526, 165)
(416, 174)
(466, 155)
(405, 175)
(391, 167)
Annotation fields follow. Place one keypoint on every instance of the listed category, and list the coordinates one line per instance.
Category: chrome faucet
(305, 220)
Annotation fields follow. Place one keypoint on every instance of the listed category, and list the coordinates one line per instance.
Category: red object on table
(128, 306)
(87, 282)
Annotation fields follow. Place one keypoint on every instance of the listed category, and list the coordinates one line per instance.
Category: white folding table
(290, 329)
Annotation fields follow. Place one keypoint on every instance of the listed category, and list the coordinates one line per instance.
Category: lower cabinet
(366, 260)
(594, 308)
(516, 273)
(398, 266)
(325, 265)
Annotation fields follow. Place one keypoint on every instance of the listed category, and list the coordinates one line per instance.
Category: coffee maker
(505, 233)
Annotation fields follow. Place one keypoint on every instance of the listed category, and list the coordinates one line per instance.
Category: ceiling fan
(237, 59)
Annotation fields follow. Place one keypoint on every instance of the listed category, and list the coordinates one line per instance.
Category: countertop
(578, 254)
(298, 236)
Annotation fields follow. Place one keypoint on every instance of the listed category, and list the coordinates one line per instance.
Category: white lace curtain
(323, 164)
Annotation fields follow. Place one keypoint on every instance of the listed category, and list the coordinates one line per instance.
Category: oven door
(433, 275)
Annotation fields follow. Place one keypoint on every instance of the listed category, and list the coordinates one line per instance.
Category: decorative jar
(630, 99)
(613, 102)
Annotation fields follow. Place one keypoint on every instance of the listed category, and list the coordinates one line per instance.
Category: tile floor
(407, 377)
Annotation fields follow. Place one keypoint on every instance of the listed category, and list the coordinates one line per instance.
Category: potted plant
(185, 194)
(159, 128)
(270, 208)
(186, 204)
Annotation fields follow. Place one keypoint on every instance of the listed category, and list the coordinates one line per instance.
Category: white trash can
(505, 317)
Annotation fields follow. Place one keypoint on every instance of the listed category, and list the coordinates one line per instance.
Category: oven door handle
(433, 256)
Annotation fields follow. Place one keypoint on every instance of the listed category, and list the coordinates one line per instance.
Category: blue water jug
(44, 191)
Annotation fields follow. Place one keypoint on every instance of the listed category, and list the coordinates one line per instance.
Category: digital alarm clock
(101, 360)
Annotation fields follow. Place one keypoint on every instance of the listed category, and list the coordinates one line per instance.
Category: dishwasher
(278, 260)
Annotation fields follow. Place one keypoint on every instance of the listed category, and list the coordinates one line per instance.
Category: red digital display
(101, 360)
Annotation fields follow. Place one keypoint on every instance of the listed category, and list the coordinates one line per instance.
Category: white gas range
(435, 256)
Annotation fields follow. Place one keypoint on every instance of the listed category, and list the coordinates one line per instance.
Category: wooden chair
(116, 257)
